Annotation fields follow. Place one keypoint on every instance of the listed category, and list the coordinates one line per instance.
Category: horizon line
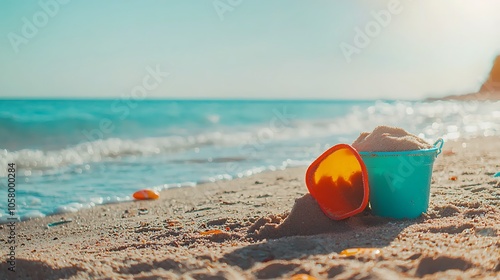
(199, 99)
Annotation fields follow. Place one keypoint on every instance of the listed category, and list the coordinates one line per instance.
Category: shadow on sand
(305, 233)
(29, 269)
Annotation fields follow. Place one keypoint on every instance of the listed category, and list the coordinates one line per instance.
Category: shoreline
(163, 238)
(184, 185)
(193, 184)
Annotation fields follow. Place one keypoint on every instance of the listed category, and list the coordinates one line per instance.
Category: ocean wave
(109, 149)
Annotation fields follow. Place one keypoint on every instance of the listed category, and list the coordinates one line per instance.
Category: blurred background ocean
(74, 154)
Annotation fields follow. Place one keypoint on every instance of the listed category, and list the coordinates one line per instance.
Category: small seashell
(146, 194)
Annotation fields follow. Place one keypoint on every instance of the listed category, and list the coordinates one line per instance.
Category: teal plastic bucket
(400, 181)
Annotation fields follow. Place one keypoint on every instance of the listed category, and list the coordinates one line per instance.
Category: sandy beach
(230, 139)
(459, 237)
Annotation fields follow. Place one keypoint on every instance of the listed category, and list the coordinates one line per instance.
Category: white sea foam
(109, 149)
(33, 215)
(8, 219)
(213, 118)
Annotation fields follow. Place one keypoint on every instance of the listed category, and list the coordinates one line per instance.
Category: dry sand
(459, 237)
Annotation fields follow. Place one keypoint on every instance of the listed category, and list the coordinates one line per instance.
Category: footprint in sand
(490, 232)
(167, 264)
(467, 204)
(275, 270)
(226, 273)
(335, 270)
(429, 265)
(480, 189)
(453, 229)
(446, 211)
(475, 213)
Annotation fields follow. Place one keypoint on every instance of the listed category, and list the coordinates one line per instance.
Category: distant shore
(489, 91)
(477, 96)
(458, 237)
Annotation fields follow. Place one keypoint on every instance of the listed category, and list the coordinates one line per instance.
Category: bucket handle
(439, 145)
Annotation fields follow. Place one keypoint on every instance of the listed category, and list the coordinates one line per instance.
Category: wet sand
(267, 227)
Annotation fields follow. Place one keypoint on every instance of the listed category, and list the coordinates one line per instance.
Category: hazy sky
(246, 48)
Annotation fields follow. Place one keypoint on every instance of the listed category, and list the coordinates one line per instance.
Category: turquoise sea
(74, 154)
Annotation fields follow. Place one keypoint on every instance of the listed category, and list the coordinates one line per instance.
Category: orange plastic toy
(303, 276)
(146, 194)
(211, 232)
(338, 180)
(355, 251)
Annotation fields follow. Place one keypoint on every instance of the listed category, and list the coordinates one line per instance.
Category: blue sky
(246, 48)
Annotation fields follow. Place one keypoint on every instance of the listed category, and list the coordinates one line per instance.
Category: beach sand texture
(458, 237)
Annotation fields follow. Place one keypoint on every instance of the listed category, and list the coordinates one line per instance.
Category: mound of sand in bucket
(389, 139)
(307, 218)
